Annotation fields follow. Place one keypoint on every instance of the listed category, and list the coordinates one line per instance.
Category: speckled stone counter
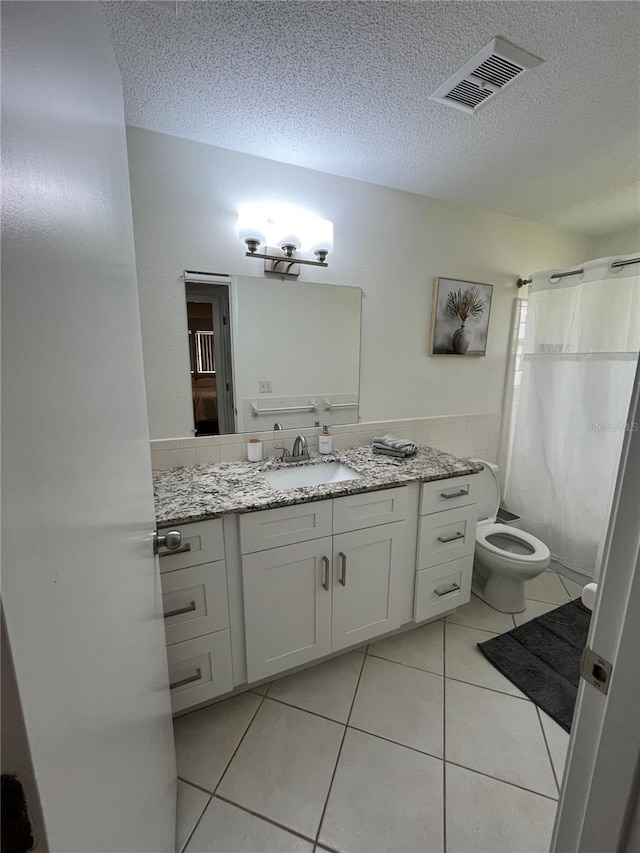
(184, 495)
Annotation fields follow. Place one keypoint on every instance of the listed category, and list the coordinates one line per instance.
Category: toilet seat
(539, 555)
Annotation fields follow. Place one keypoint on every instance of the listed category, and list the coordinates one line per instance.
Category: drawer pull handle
(182, 550)
(454, 587)
(453, 538)
(461, 494)
(325, 582)
(191, 606)
(343, 569)
(189, 680)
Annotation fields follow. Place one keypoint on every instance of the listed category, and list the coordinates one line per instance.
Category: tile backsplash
(463, 435)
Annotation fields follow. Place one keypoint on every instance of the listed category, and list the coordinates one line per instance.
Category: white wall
(185, 198)
(619, 243)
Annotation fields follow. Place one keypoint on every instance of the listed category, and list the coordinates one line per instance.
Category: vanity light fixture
(291, 229)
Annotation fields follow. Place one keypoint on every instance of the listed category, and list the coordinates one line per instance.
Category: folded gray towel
(386, 451)
(399, 445)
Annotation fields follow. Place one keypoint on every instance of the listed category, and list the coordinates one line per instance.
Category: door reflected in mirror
(209, 358)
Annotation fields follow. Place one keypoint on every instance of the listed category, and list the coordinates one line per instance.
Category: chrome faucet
(298, 454)
(300, 449)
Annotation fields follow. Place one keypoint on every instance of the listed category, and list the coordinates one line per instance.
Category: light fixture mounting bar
(283, 259)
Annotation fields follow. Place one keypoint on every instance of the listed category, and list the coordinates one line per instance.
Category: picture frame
(460, 317)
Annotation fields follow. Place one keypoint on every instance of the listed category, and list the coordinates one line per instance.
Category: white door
(81, 590)
(366, 583)
(287, 606)
(598, 809)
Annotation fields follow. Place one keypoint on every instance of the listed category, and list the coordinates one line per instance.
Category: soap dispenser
(325, 443)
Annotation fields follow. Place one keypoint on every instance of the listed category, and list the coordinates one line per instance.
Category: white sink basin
(310, 475)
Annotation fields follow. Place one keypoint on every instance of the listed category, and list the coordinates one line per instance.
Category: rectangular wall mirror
(269, 351)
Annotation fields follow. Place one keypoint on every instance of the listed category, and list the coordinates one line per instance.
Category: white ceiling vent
(486, 74)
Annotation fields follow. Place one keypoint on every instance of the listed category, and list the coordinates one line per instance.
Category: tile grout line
(407, 666)
(444, 737)
(194, 785)
(475, 627)
(504, 781)
(546, 743)
(222, 775)
(396, 743)
(197, 823)
(450, 677)
(307, 711)
(344, 734)
(183, 849)
(269, 820)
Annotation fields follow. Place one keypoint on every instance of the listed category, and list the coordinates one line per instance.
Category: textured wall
(392, 244)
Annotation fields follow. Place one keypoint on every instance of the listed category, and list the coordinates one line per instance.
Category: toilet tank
(488, 491)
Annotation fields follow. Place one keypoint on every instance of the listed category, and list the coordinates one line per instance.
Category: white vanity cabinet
(264, 592)
(196, 615)
(305, 600)
(446, 543)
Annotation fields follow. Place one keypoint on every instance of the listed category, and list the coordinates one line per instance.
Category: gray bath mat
(542, 658)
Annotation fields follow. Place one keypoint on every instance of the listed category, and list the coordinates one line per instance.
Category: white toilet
(505, 557)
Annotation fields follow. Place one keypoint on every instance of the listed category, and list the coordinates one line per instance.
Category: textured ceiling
(343, 87)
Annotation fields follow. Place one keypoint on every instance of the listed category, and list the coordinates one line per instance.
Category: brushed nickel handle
(461, 494)
(325, 582)
(189, 680)
(451, 538)
(188, 609)
(182, 550)
(343, 569)
(171, 540)
(454, 587)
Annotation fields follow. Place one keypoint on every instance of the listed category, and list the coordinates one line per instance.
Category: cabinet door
(287, 606)
(366, 568)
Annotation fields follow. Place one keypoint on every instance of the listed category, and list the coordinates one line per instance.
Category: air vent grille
(487, 73)
(468, 93)
(498, 71)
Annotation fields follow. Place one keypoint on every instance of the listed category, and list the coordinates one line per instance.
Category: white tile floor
(414, 744)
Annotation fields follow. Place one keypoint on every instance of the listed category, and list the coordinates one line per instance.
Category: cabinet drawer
(355, 512)
(448, 494)
(194, 601)
(444, 536)
(443, 588)
(199, 669)
(202, 541)
(272, 528)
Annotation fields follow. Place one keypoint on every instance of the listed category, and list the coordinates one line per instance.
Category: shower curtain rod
(522, 281)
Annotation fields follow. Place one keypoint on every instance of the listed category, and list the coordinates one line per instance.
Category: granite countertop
(199, 492)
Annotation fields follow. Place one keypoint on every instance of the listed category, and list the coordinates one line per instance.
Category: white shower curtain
(581, 348)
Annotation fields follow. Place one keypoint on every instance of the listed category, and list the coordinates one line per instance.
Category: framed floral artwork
(459, 317)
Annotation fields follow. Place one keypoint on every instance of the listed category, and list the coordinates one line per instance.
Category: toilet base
(500, 592)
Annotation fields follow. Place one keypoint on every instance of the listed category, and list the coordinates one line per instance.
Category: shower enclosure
(580, 352)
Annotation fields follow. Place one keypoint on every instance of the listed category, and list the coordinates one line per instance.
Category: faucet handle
(285, 453)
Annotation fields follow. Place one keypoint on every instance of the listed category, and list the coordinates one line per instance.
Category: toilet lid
(488, 492)
(526, 549)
